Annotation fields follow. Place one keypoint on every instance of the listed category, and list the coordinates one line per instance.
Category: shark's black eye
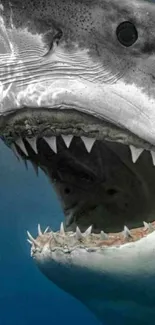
(127, 33)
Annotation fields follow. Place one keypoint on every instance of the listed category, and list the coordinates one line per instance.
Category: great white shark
(77, 99)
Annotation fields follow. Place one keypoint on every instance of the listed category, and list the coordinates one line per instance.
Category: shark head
(77, 99)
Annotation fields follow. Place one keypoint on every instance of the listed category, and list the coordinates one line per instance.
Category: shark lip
(95, 159)
(64, 119)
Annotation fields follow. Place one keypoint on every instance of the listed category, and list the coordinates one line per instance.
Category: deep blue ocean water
(26, 296)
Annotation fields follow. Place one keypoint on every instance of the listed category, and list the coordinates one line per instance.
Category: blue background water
(26, 296)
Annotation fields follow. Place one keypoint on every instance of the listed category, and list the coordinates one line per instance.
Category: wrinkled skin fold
(77, 99)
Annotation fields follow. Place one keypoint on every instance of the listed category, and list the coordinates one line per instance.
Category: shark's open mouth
(102, 179)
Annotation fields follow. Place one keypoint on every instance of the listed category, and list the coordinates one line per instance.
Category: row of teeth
(88, 142)
(78, 235)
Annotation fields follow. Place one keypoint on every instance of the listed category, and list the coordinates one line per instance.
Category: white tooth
(88, 231)
(79, 235)
(32, 239)
(127, 233)
(39, 230)
(62, 231)
(153, 157)
(147, 226)
(29, 241)
(67, 139)
(33, 144)
(52, 143)
(135, 153)
(88, 142)
(21, 145)
(104, 236)
(69, 219)
(46, 230)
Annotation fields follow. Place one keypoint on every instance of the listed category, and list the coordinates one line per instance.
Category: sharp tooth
(39, 230)
(135, 153)
(127, 233)
(32, 142)
(52, 143)
(148, 226)
(88, 142)
(79, 235)
(67, 139)
(69, 219)
(32, 239)
(62, 231)
(88, 231)
(46, 230)
(153, 157)
(29, 241)
(104, 236)
(21, 145)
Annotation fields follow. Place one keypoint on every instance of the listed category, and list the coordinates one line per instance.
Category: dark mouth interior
(103, 188)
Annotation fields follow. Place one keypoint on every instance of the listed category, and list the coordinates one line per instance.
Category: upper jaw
(81, 74)
(105, 102)
(75, 81)
(64, 119)
(67, 121)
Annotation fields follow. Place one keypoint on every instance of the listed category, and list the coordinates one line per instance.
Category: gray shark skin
(77, 99)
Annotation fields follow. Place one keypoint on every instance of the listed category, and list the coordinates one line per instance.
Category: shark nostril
(52, 38)
(58, 36)
(127, 33)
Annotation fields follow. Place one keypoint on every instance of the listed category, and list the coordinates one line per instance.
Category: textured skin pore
(91, 25)
(65, 54)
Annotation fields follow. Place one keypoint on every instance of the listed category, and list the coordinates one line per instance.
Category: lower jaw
(115, 282)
